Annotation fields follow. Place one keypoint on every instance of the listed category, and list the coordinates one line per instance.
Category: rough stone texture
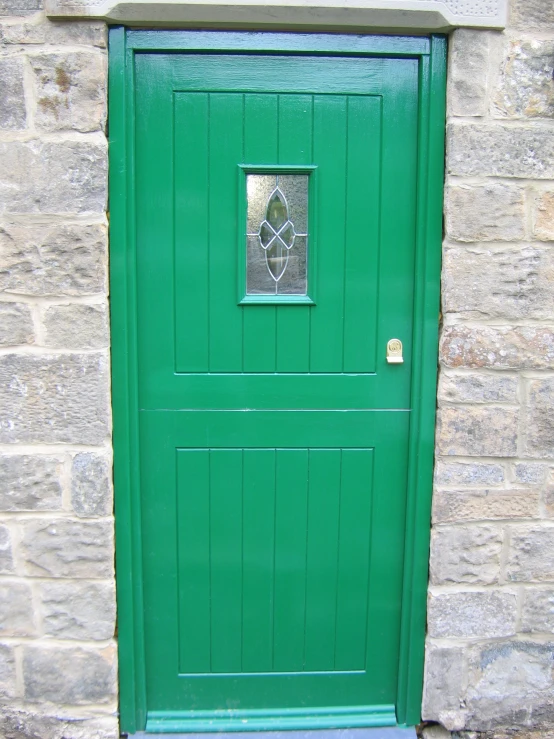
(16, 609)
(527, 87)
(465, 554)
(53, 398)
(477, 431)
(91, 485)
(537, 613)
(6, 555)
(484, 505)
(467, 91)
(543, 216)
(69, 675)
(532, 15)
(78, 610)
(76, 326)
(529, 473)
(515, 282)
(70, 91)
(472, 388)
(7, 674)
(30, 483)
(482, 614)
(444, 685)
(16, 723)
(16, 324)
(500, 348)
(539, 427)
(13, 115)
(500, 150)
(467, 473)
(19, 7)
(53, 259)
(67, 548)
(485, 213)
(531, 555)
(29, 168)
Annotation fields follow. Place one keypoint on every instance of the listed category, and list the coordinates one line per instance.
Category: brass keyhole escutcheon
(394, 351)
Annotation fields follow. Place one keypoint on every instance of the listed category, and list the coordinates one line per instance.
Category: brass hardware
(394, 351)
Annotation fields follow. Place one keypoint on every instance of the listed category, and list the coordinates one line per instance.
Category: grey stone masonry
(490, 641)
(58, 658)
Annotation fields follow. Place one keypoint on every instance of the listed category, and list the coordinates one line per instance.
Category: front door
(276, 226)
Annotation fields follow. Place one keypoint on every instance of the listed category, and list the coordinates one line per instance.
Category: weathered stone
(78, 610)
(30, 723)
(474, 347)
(537, 613)
(539, 427)
(477, 431)
(6, 556)
(465, 554)
(69, 675)
(16, 609)
(502, 283)
(54, 398)
(548, 496)
(483, 614)
(8, 689)
(29, 168)
(543, 216)
(510, 684)
(472, 388)
(500, 150)
(532, 15)
(30, 482)
(70, 91)
(531, 556)
(435, 731)
(493, 212)
(51, 259)
(67, 548)
(91, 486)
(484, 505)
(529, 474)
(16, 324)
(526, 87)
(76, 326)
(13, 116)
(468, 66)
(19, 7)
(444, 686)
(87, 33)
(467, 473)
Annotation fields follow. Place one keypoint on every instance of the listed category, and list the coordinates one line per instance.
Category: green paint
(271, 547)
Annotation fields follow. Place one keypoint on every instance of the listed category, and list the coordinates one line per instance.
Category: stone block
(76, 326)
(30, 482)
(54, 398)
(486, 614)
(543, 216)
(6, 556)
(507, 283)
(484, 505)
(8, 689)
(13, 115)
(498, 150)
(494, 347)
(16, 324)
(465, 554)
(532, 15)
(531, 555)
(493, 212)
(468, 473)
(78, 610)
(69, 675)
(85, 33)
(67, 548)
(91, 485)
(70, 91)
(477, 431)
(16, 609)
(52, 259)
(19, 7)
(32, 722)
(526, 88)
(79, 169)
(528, 473)
(473, 388)
(468, 66)
(444, 685)
(539, 426)
(537, 613)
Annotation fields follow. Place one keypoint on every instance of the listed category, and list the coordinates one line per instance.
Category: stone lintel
(394, 15)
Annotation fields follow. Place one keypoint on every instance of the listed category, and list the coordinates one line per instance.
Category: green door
(276, 226)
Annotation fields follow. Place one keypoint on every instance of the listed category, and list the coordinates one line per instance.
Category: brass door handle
(394, 352)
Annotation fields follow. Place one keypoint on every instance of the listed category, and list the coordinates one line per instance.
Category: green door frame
(430, 51)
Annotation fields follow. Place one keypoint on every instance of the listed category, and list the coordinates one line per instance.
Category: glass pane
(277, 234)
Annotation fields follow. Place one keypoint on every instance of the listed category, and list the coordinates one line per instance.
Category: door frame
(430, 51)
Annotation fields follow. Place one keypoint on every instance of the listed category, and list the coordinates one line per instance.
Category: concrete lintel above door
(391, 15)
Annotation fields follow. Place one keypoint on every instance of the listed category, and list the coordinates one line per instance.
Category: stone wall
(57, 607)
(490, 650)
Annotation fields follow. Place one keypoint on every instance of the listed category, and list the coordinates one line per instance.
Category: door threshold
(374, 732)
